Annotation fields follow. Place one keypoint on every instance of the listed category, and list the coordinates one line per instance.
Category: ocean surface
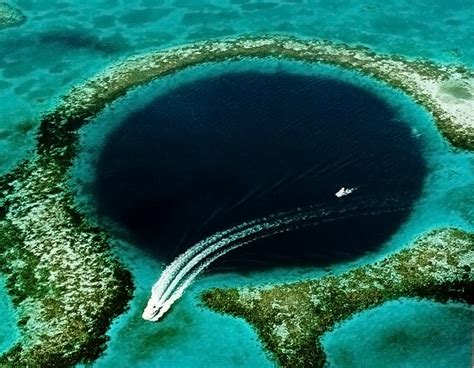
(228, 149)
(8, 320)
(256, 138)
(426, 334)
(117, 172)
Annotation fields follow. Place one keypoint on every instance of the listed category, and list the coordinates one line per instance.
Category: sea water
(445, 172)
(236, 147)
(9, 333)
(63, 43)
(424, 333)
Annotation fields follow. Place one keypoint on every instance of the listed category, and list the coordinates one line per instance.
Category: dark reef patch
(76, 39)
(231, 148)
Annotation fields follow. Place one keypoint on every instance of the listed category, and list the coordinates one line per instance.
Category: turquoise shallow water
(198, 334)
(426, 334)
(8, 329)
(194, 337)
(63, 43)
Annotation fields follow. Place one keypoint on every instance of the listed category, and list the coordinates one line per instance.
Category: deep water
(193, 336)
(222, 150)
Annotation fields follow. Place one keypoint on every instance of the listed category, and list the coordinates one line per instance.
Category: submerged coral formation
(290, 319)
(62, 276)
(445, 91)
(10, 16)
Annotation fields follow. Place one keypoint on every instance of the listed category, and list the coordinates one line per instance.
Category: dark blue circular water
(231, 148)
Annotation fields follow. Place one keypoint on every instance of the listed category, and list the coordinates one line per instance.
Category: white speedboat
(344, 191)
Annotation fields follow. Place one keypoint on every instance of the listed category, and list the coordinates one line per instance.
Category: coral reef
(62, 277)
(291, 318)
(10, 16)
(429, 84)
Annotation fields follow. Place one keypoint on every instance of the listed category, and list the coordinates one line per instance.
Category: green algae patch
(10, 16)
(290, 319)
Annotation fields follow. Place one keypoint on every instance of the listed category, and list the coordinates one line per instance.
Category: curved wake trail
(180, 273)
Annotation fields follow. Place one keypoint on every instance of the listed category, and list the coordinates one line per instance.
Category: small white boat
(344, 191)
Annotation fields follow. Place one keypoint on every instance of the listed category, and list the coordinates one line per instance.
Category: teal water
(9, 333)
(424, 333)
(204, 335)
(64, 43)
(193, 337)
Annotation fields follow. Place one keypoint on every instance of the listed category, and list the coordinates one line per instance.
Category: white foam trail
(177, 277)
(213, 247)
(176, 289)
(170, 271)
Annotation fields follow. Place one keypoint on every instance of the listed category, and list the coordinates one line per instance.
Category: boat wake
(181, 272)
